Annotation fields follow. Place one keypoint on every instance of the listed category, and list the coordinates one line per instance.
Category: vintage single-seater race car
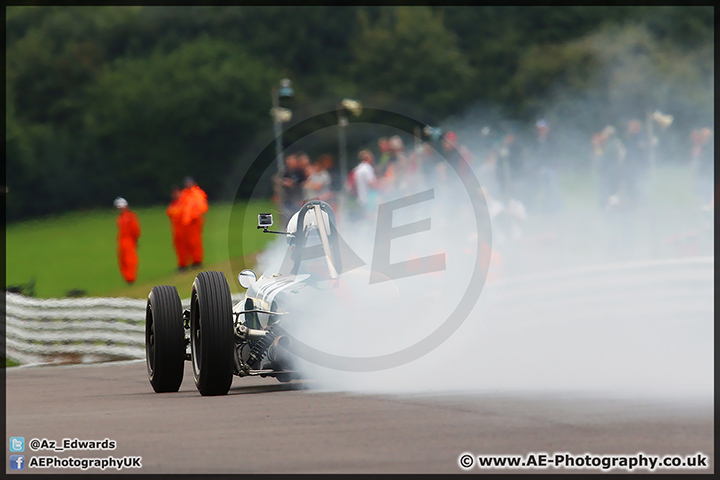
(223, 340)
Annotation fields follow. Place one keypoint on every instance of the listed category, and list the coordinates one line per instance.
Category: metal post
(342, 123)
(277, 126)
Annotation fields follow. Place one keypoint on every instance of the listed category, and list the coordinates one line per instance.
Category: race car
(223, 340)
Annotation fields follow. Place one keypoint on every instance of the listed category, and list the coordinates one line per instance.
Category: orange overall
(128, 234)
(179, 235)
(194, 205)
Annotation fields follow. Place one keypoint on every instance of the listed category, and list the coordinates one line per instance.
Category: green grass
(78, 250)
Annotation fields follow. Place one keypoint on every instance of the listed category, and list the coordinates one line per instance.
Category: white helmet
(120, 202)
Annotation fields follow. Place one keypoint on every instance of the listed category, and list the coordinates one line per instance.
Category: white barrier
(72, 330)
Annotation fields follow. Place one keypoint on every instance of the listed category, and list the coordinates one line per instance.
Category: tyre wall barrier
(75, 330)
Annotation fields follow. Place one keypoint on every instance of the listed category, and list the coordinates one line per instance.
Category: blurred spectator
(608, 160)
(179, 235)
(292, 181)
(317, 185)
(397, 147)
(636, 166)
(545, 191)
(396, 154)
(426, 159)
(488, 175)
(662, 121)
(194, 206)
(304, 162)
(506, 214)
(385, 153)
(362, 184)
(511, 169)
(456, 154)
(127, 240)
(421, 160)
(402, 170)
(702, 161)
(484, 142)
(327, 162)
(407, 172)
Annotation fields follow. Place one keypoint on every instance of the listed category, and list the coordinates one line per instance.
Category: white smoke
(614, 327)
(617, 332)
(364, 319)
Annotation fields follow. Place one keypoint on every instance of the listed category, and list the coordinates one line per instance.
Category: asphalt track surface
(264, 426)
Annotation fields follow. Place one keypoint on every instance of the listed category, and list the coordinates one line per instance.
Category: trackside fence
(75, 330)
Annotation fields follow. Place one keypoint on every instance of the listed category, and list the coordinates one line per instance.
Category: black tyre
(212, 340)
(164, 339)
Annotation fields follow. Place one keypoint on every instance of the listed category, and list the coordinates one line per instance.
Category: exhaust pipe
(279, 352)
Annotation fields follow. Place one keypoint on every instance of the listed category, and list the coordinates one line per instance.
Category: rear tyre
(212, 340)
(164, 339)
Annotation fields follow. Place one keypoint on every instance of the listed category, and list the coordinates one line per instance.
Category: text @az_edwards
(71, 444)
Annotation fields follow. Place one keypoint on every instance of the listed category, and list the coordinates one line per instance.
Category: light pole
(342, 145)
(280, 115)
(355, 108)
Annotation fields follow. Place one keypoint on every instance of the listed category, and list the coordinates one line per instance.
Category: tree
(410, 55)
(186, 112)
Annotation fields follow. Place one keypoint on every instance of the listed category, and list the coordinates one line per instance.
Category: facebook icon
(17, 462)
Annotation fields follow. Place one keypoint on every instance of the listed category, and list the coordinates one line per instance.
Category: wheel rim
(150, 341)
(196, 335)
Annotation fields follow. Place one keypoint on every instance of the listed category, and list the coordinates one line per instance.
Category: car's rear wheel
(164, 339)
(212, 341)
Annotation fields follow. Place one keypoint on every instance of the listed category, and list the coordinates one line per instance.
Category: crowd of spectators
(519, 174)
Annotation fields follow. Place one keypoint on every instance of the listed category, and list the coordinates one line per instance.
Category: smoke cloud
(584, 299)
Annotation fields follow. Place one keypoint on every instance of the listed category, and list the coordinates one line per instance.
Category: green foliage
(689, 27)
(186, 112)
(410, 55)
